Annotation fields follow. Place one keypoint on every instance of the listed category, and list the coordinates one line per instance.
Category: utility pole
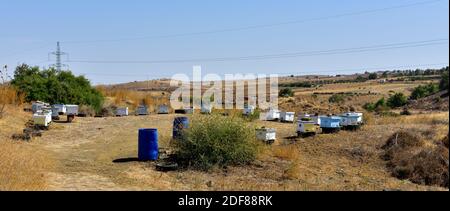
(58, 65)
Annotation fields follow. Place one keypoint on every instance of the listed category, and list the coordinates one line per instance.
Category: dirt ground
(100, 153)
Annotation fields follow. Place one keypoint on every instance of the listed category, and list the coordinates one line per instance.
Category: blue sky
(30, 30)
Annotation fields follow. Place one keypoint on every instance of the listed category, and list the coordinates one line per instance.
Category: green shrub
(373, 76)
(424, 91)
(286, 92)
(337, 98)
(370, 107)
(397, 100)
(217, 141)
(379, 106)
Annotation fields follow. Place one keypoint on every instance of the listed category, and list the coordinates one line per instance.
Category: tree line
(55, 87)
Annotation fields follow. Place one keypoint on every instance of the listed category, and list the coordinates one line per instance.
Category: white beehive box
(72, 110)
(273, 115)
(266, 134)
(55, 113)
(315, 119)
(122, 111)
(248, 110)
(142, 110)
(351, 119)
(42, 118)
(61, 109)
(287, 116)
(37, 107)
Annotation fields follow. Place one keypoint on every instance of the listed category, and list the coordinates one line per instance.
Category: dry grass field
(100, 153)
(22, 166)
(88, 154)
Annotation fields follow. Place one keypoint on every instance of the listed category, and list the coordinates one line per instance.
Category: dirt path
(86, 151)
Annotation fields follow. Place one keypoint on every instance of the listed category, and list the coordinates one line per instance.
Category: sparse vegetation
(217, 141)
(409, 158)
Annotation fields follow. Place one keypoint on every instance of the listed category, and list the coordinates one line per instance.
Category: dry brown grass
(119, 97)
(430, 118)
(22, 167)
(286, 152)
(9, 96)
(418, 157)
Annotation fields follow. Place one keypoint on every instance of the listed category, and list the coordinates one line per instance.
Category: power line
(27, 50)
(285, 55)
(372, 11)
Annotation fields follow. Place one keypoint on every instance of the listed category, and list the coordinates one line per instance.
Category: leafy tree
(55, 87)
(397, 100)
(373, 76)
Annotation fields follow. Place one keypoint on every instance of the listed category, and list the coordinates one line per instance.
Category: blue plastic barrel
(148, 145)
(179, 124)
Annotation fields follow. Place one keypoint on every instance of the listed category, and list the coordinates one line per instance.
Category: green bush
(56, 87)
(397, 100)
(217, 141)
(424, 91)
(286, 92)
(373, 76)
(337, 98)
(380, 106)
(369, 107)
